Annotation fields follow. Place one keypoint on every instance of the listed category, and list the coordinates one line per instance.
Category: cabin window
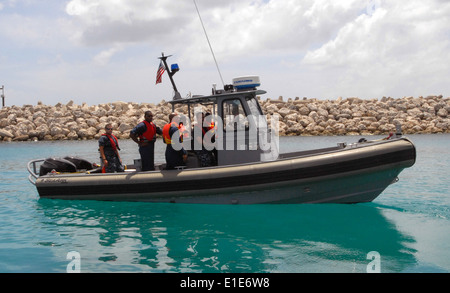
(234, 117)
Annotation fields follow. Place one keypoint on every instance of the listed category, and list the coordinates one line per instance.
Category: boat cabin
(238, 125)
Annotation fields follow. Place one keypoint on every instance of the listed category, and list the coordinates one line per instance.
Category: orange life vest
(114, 141)
(150, 133)
(166, 132)
(183, 131)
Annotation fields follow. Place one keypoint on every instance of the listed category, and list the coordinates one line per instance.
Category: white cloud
(393, 31)
(399, 50)
(103, 22)
(233, 26)
(103, 57)
(314, 48)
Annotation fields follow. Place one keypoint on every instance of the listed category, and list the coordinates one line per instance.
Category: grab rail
(32, 169)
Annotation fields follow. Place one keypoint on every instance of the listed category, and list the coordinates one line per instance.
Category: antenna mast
(209, 43)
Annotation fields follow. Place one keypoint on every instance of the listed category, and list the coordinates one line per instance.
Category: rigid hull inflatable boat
(351, 174)
(250, 174)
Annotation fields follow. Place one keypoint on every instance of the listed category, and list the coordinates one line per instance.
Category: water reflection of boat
(247, 171)
(188, 238)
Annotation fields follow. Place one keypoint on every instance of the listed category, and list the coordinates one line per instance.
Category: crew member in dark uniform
(109, 151)
(144, 134)
(174, 158)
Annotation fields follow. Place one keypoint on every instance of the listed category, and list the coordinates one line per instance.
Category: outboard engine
(57, 164)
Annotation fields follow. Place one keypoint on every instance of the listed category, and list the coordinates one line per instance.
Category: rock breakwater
(350, 116)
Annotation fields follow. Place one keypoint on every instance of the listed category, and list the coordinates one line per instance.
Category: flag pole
(177, 95)
(3, 95)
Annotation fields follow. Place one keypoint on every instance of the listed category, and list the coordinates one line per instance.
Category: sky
(101, 51)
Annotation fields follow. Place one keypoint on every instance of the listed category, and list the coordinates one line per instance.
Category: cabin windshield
(234, 116)
(254, 106)
(256, 112)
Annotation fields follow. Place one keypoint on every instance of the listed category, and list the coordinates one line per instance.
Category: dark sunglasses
(108, 128)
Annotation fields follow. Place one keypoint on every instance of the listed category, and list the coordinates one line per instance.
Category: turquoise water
(406, 228)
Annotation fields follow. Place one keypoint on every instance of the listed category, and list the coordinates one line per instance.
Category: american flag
(160, 72)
